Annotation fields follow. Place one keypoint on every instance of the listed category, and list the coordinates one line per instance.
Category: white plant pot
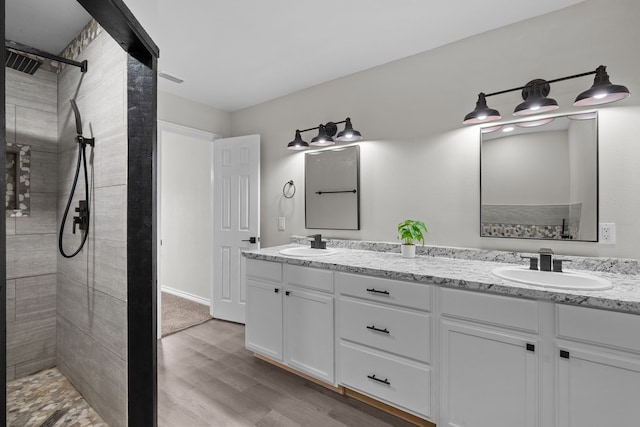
(408, 251)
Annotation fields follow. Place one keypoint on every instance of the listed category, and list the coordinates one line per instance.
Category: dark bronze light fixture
(325, 135)
(536, 101)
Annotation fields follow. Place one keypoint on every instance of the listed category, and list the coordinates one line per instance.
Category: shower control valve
(84, 141)
(82, 220)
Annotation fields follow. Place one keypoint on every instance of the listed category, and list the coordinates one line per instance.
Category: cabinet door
(596, 389)
(308, 329)
(263, 333)
(489, 378)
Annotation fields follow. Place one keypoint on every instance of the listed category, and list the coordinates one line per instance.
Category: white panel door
(236, 221)
(597, 388)
(489, 378)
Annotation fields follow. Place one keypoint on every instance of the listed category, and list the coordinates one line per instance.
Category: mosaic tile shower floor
(47, 399)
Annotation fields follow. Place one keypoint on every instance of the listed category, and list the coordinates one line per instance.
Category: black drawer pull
(564, 354)
(287, 293)
(373, 328)
(277, 290)
(375, 291)
(384, 381)
(531, 347)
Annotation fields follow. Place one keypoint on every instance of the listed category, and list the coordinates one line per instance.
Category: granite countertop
(463, 274)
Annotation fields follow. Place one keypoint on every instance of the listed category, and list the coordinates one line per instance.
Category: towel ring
(286, 189)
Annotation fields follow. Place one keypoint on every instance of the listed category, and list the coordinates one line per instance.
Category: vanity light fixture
(325, 135)
(535, 98)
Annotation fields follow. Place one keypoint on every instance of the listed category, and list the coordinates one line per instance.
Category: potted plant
(410, 231)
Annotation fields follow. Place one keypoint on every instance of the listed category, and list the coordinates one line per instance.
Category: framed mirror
(332, 189)
(539, 179)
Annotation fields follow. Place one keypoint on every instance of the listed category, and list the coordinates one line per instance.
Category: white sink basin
(307, 252)
(568, 279)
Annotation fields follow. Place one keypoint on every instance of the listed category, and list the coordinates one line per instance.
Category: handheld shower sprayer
(84, 214)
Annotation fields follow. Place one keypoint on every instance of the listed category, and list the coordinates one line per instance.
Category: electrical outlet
(607, 233)
(281, 223)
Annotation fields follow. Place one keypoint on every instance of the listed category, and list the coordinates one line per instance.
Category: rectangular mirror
(332, 189)
(18, 177)
(540, 182)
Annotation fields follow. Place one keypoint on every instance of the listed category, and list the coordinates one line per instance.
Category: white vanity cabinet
(308, 321)
(598, 355)
(264, 312)
(489, 360)
(385, 340)
(290, 315)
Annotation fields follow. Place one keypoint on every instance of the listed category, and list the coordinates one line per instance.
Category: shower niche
(18, 179)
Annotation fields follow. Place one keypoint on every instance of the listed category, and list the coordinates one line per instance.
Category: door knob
(252, 240)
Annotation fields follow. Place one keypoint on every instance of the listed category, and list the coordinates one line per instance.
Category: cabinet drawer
(403, 332)
(391, 380)
(515, 313)
(610, 328)
(311, 278)
(414, 295)
(264, 270)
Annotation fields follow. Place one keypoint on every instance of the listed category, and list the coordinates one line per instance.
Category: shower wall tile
(11, 300)
(77, 356)
(74, 303)
(30, 340)
(110, 324)
(38, 91)
(37, 128)
(31, 255)
(110, 162)
(11, 226)
(110, 213)
(43, 172)
(10, 120)
(35, 298)
(32, 366)
(97, 373)
(42, 218)
(73, 268)
(11, 373)
(94, 313)
(92, 289)
(31, 241)
(108, 269)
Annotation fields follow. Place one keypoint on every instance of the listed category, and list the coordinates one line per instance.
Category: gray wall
(31, 241)
(419, 161)
(92, 288)
(182, 111)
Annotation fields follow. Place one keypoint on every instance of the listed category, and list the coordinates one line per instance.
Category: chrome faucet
(545, 259)
(317, 242)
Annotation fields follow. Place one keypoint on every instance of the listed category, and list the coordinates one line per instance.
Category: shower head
(77, 114)
(21, 62)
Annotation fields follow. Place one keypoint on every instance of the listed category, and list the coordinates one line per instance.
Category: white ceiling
(44, 24)
(236, 53)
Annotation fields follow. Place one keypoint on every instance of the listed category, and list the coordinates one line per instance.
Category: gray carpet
(179, 313)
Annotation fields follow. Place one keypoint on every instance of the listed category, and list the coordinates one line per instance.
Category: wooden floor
(207, 378)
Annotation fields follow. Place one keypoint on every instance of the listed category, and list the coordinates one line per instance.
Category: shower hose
(82, 159)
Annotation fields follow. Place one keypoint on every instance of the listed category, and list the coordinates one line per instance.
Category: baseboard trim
(388, 408)
(186, 295)
(413, 419)
(338, 389)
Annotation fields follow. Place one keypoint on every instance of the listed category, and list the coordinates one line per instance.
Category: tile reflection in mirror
(541, 182)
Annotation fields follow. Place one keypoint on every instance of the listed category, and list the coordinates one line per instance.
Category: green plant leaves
(410, 231)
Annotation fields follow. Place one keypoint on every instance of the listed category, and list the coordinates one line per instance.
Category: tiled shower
(71, 313)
